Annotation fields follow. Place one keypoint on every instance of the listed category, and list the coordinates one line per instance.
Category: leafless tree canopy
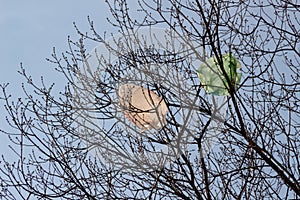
(78, 145)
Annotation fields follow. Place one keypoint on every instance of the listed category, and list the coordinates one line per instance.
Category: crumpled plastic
(142, 107)
(213, 79)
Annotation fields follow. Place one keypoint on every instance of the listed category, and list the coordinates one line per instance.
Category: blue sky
(31, 28)
(28, 32)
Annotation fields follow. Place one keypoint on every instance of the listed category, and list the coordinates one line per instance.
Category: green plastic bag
(212, 78)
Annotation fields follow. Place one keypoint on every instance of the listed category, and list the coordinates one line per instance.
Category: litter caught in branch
(214, 80)
(142, 107)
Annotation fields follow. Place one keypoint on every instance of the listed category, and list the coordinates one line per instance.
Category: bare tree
(241, 143)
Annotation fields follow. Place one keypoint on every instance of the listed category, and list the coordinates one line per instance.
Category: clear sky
(28, 32)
